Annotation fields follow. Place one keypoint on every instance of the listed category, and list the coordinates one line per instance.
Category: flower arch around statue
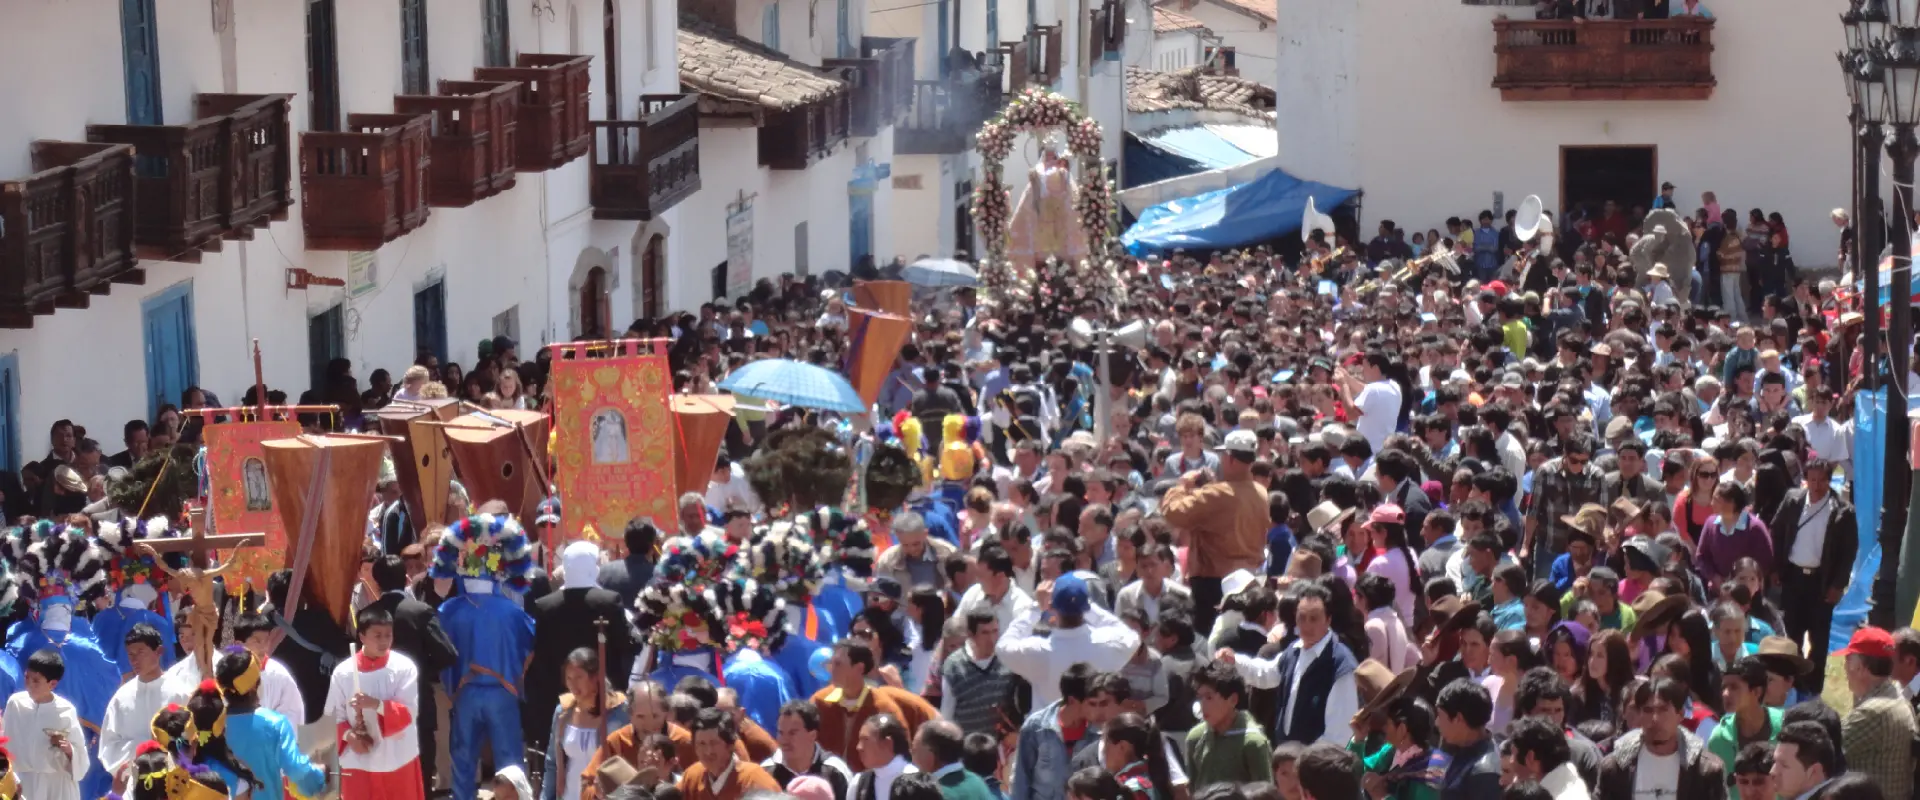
(1038, 111)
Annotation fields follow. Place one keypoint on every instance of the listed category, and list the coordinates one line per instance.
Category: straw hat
(1663, 612)
(1326, 514)
(1590, 521)
(1781, 655)
(1378, 702)
(1658, 272)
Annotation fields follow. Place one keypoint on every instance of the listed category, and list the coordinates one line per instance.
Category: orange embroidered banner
(614, 437)
(240, 493)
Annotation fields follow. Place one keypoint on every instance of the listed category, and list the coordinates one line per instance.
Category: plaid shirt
(1557, 494)
(1877, 737)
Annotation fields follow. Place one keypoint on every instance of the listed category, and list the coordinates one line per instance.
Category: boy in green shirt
(1227, 746)
(1744, 690)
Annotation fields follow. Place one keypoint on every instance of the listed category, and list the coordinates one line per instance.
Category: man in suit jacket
(416, 635)
(563, 621)
(1814, 540)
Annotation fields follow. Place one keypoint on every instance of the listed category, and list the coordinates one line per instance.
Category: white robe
(397, 684)
(181, 679)
(43, 775)
(130, 720)
(279, 692)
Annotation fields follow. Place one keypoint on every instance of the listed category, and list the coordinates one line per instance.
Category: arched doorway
(653, 279)
(594, 314)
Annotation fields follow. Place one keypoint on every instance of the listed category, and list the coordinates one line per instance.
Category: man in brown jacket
(1225, 521)
(1700, 773)
(649, 708)
(720, 773)
(848, 702)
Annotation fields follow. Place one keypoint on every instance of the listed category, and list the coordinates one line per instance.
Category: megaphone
(1132, 335)
(1311, 220)
(1529, 218)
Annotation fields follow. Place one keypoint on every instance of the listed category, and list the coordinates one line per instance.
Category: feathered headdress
(127, 563)
(892, 475)
(843, 540)
(800, 467)
(65, 567)
(786, 561)
(161, 483)
(701, 581)
(486, 546)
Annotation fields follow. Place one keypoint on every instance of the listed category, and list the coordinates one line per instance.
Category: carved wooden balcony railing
(218, 176)
(368, 185)
(1035, 59)
(871, 107)
(67, 230)
(945, 114)
(1668, 59)
(555, 93)
(472, 132)
(643, 167)
(896, 74)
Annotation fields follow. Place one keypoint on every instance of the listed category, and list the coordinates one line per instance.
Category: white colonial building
(366, 179)
(1240, 35)
(1441, 108)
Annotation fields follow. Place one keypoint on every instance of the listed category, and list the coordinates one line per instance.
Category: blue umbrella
(935, 273)
(795, 384)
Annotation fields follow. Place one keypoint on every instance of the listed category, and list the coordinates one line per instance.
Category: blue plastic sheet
(1869, 460)
(1265, 208)
(1201, 145)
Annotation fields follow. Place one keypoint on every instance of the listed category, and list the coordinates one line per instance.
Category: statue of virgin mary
(1044, 223)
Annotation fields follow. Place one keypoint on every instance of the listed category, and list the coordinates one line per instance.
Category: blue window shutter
(140, 45)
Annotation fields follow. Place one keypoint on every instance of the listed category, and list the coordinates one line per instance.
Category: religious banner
(613, 447)
(240, 494)
(739, 278)
(875, 346)
(892, 297)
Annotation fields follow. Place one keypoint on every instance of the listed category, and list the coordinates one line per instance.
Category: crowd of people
(1512, 523)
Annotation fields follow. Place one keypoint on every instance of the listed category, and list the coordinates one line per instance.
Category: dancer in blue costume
(260, 738)
(137, 585)
(489, 553)
(685, 610)
(57, 572)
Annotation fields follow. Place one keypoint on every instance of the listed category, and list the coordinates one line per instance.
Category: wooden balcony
(944, 115)
(1668, 59)
(220, 175)
(643, 167)
(1035, 59)
(800, 137)
(472, 133)
(555, 91)
(368, 185)
(870, 106)
(896, 75)
(67, 230)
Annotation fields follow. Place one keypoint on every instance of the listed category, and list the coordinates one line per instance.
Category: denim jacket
(1042, 764)
(552, 782)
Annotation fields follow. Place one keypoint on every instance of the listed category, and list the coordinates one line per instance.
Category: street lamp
(1897, 57)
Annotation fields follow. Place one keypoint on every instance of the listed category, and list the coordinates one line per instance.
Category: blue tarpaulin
(1869, 458)
(1202, 145)
(1267, 207)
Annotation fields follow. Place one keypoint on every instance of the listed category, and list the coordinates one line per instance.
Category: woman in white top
(577, 723)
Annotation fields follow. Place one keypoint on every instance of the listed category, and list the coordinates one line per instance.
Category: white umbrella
(935, 273)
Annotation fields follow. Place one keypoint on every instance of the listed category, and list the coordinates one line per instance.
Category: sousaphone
(1311, 219)
(1529, 221)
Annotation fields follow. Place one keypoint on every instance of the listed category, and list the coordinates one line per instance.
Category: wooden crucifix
(196, 579)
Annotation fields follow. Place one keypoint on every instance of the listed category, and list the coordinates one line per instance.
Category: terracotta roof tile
(1149, 91)
(1167, 20)
(732, 67)
(1263, 9)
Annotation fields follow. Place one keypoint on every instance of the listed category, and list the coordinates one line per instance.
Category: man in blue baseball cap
(1082, 634)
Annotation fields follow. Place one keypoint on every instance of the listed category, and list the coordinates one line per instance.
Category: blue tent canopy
(1267, 207)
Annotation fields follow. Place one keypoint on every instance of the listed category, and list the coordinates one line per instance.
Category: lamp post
(1898, 57)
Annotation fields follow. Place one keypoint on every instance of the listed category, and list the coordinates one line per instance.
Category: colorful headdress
(843, 540)
(64, 567)
(700, 582)
(486, 546)
(178, 782)
(960, 453)
(9, 782)
(786, 561)
(127, 564)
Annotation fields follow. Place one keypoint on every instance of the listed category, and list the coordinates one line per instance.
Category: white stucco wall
(1253, 40)
(1368, 100)
(1176, 51)
(520, 248)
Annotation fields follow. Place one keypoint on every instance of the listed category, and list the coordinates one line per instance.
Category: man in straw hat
(1584, 530)
(1785, 668)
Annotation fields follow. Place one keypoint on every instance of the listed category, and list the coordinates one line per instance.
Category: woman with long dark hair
(927, 613)
(1396, 560)
(577, 723)
(1345, 617)
(1565, 649)
(1137, 757)
(209, 739)
(1691, 638)
(1610, 667)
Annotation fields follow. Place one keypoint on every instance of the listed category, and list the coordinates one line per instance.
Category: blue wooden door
(140, 48)
(173, 358)
(430, 321)
(10, 412)
(860, 207)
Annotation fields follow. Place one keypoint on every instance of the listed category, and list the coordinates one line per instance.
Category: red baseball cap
(1498, 287)
(1869, 641)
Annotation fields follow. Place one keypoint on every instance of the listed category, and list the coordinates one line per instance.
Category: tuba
(1311, 219)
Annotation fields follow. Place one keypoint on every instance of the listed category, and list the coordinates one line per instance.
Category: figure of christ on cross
(196, 580)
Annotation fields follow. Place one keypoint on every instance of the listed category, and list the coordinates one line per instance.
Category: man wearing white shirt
(278, 691)
(129, 718)
(728, 487)
(996, 591)
(1375, 398)
(1082, 634)
(1315, 675)
(1826, 437)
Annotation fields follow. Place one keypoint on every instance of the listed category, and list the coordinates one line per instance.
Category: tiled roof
(1263, 9)
(1167, 20)
(732, 67)
(1148, 90)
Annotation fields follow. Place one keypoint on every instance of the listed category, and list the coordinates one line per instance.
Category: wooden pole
(259, 385)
